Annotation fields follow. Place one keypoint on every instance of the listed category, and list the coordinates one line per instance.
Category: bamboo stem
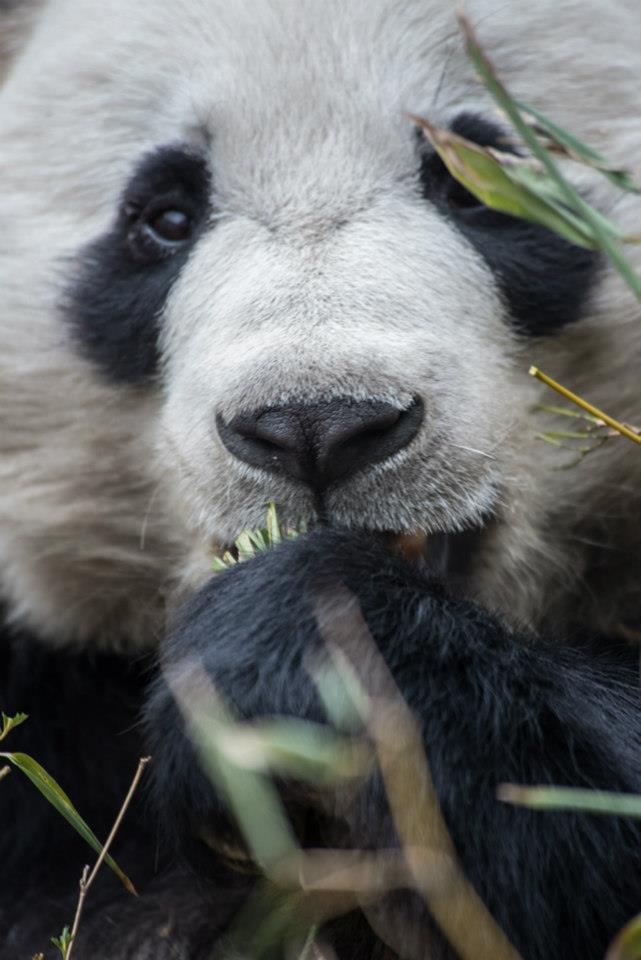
(588, 407)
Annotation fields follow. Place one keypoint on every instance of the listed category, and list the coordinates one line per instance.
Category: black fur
(83, 728)
(124, 278)
(546, 281)
(494, 707)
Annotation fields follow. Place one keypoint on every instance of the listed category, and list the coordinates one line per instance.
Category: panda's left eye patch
(119, 292)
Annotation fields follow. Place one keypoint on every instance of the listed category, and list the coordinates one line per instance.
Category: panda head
(232, 272)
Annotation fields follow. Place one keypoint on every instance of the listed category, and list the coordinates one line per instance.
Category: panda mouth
(448, 556)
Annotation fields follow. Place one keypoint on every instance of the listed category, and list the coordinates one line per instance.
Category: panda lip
(446, 555)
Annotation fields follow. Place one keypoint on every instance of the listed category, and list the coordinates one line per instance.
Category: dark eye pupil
(171, 225)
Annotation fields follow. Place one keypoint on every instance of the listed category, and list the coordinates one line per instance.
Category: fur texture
(329, 256)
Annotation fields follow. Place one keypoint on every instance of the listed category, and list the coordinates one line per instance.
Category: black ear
(17, 18)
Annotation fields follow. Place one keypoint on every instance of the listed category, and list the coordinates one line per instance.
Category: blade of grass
(576, 203)
(571, 798)
(59, 799)
(505, 183)
(574, 148)
(251, 796)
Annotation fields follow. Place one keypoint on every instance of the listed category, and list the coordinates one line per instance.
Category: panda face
(253, 281)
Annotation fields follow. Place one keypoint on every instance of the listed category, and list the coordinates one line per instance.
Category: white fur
(323, 274)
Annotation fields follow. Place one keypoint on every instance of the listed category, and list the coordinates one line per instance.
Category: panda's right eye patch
(125, 276)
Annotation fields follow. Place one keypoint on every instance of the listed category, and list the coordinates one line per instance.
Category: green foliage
(627, 945)
(63, 942)
(251, 542)
(10, 723)
(572, 798)
(601, 232)
(567, 145)
(56, 796)
(534, 190)
(54, 793)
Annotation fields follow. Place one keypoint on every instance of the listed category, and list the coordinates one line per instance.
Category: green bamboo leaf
(342, 697)
(569, 435)
(274, 535)
(627, 944)
(591, 219)
(505, 184)
(10, 723)
(63, 942)
(251, 796)
(251, 542)
(569, 412)
(59, 799)
(245, 547)
(258, 538)
(546, 188)
(571, 798)
(569, 145)
(296, 748)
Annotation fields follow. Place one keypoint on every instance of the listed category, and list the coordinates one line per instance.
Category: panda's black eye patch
(545, 281)
(125, 276)
(164, 204)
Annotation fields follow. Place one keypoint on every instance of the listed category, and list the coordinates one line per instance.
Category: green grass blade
(508, 185)
(56, 796)
(294, 748)
(576, 149)
(573, 199)
(252, 798)
(274, 535)
(572, 798)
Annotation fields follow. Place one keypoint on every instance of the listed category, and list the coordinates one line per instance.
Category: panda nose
(321, 443)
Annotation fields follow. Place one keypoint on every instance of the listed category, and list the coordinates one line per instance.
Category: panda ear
(17, 18)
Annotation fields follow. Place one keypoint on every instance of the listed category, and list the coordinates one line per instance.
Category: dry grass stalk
(88, 878)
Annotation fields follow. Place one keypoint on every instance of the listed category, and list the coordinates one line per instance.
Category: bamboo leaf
(506, 184)
(63, 942)
(10, 723)
(295, 748)
(627, 944)
(592, 221)
(252, 798)
(274, 535)
(56, 796)
(570, 146)
(571, 798)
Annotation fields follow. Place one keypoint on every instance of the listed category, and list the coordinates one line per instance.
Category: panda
(233, 273)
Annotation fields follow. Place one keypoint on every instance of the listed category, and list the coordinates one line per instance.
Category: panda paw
(254, 630)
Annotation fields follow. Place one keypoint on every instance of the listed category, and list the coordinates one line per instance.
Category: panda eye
(170, 226)
(164, 205)
(156, 231)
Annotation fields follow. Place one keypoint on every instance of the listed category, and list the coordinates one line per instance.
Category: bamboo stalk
(588, 407)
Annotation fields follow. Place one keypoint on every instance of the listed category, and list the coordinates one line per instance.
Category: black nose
(322, 442)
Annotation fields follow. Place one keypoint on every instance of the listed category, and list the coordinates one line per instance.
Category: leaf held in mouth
(251, 542)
